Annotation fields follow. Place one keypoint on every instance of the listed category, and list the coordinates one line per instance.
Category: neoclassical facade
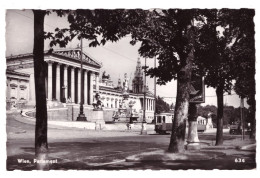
(63, 81)
(62, 78)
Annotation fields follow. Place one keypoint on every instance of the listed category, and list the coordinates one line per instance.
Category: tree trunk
(41, 144)
(182, 101)
(219, 136)
(253, 120)
(253, 130)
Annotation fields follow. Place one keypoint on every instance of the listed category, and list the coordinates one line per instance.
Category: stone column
(66, 81)
(97, 82)
(148, 108)
(147, 104)
(86, 87)
(192, 140)
(49, 80)
(91, 89)
(79, 86)
(109, 102)
(58, 82)
(72, 85)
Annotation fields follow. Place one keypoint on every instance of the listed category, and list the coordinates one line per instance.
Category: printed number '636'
(239, 160)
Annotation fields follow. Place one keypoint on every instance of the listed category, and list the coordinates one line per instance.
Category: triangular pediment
(75, 54)
(71, 54)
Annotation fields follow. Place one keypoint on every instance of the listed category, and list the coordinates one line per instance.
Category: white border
(112, 4)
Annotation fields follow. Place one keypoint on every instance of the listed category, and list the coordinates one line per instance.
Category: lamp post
(242, 122)
(154, 93)
(143, 130)
(81, 116)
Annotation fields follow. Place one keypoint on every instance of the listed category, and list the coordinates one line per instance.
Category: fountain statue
(125, 112)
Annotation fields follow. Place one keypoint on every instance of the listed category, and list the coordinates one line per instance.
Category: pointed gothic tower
(138, 82)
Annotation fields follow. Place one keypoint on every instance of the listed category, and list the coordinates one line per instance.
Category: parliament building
(63, 81)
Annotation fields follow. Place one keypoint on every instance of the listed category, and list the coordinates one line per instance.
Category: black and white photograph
(130, 89)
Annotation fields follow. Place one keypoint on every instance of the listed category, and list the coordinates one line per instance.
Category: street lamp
(155, 92)
(81, 116)
(143, 130)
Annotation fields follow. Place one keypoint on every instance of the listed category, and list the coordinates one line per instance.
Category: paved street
(85, 149)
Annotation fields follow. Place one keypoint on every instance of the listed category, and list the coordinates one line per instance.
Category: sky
(117, 58)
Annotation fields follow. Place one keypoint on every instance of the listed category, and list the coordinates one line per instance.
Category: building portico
(62, 75)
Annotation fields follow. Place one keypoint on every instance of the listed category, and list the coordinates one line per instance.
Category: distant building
(138, 81)
(112, 96)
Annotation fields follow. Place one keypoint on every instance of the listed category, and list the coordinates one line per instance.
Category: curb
(219, 147)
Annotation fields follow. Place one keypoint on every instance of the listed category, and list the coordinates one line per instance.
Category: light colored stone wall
(73, 112)
(59, 114)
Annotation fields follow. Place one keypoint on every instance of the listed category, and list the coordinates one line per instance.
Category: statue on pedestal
(98, 104)
(209, 124)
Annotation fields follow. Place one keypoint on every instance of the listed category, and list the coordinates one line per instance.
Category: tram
(163, 123)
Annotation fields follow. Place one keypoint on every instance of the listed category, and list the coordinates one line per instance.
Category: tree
(41, 143)
(212, 58)
(244, 54)
(215, 54)
(169, 35)
(41, 126)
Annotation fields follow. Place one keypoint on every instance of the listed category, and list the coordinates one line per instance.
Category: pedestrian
(127, 125)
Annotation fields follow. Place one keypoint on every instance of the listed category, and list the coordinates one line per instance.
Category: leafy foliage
(161, 106)
(225, 48)
(162, 34)
(231, 114)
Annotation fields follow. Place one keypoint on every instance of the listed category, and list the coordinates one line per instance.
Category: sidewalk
(122, 155)
(206, 152)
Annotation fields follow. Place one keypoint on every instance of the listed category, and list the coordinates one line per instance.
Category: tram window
(159, 120)
(163, 119)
